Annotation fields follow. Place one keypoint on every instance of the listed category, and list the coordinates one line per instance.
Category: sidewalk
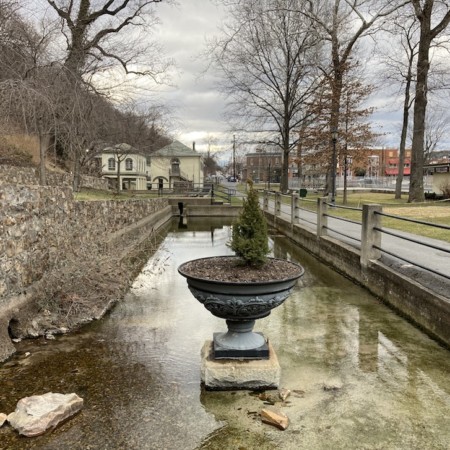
(411, 255)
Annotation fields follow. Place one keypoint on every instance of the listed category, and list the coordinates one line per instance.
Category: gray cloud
(194, 100)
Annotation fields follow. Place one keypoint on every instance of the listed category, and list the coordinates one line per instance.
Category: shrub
(249, 239)
(445, 188)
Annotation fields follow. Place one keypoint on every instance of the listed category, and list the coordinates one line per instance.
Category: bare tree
(433, 17)
(399, 67)
(30, 106)
(267, 56)
(26, 85)
(82, 118)
(343, 25)
(21, 45)
(355, 133)
(54, 100)
(106, 33)
(436, 127)
(101, 36)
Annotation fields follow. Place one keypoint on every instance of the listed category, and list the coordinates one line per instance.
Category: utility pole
(234, 156)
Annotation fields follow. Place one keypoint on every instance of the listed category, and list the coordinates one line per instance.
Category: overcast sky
(196, 105)
(195, 102)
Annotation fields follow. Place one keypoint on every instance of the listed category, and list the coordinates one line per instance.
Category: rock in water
(36, 414)
(275, 417)
(284, 394)
(333, 384)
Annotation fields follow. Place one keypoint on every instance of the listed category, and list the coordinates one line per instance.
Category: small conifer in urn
(249, 239)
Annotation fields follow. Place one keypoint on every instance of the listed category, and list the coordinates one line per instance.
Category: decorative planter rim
(184, 273)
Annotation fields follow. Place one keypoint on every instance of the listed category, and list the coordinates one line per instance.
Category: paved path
(411, 255)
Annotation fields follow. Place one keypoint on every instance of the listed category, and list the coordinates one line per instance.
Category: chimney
(193, 146)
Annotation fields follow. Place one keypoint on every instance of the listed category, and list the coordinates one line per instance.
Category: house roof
(176, 148)
(123, 147)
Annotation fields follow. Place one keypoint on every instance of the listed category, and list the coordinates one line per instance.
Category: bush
(445, 188)
(249, 239)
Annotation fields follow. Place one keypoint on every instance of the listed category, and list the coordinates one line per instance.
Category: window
(128, 164)
(111, 164)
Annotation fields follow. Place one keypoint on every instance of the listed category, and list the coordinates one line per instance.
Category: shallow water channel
(360, 376)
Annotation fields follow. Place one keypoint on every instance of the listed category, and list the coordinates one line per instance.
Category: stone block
(232, 374)
(38, 413)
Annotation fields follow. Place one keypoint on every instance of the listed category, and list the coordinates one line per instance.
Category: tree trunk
(44, 142)
(401, 156)
(299, 164)
(118, 176)
(284, 182)
(76, 173)
(334, 127)
(77, 52)
(344, 198)
(416, 193)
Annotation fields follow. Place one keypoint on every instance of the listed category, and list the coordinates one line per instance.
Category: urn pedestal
(240, 304)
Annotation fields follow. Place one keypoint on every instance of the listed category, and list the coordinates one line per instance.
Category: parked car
(231, 179)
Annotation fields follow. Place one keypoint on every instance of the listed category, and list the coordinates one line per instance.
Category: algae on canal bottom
(360, 376)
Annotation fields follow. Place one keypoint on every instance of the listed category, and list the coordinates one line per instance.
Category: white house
(176, 163)
(441, 177)
(132, 167)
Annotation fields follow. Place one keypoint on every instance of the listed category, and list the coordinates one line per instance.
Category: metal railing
(223, 193)
(365, 234)
(354, 182)
(409, 238)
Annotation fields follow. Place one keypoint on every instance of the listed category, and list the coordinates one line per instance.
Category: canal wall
(63, 257)
(427, 309)
(29, 176)
(51, 246)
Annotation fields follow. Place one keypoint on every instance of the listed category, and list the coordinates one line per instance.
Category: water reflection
(361, 376)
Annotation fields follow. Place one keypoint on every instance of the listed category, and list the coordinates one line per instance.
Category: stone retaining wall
(30, 176)
(43, 230)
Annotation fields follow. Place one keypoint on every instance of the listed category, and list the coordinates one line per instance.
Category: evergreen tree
(249, 238)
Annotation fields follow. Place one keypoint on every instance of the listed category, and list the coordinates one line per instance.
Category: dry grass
(424, 212)
(26, 142)
(436, 212)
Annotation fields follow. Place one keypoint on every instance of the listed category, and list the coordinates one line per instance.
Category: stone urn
(240, 302)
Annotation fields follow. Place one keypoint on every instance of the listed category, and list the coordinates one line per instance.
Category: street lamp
(334, 135)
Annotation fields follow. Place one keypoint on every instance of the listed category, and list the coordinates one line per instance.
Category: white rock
(3, 418)
(35, 414)
(284, 394)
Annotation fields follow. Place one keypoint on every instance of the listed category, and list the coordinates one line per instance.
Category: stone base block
(232, 374)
